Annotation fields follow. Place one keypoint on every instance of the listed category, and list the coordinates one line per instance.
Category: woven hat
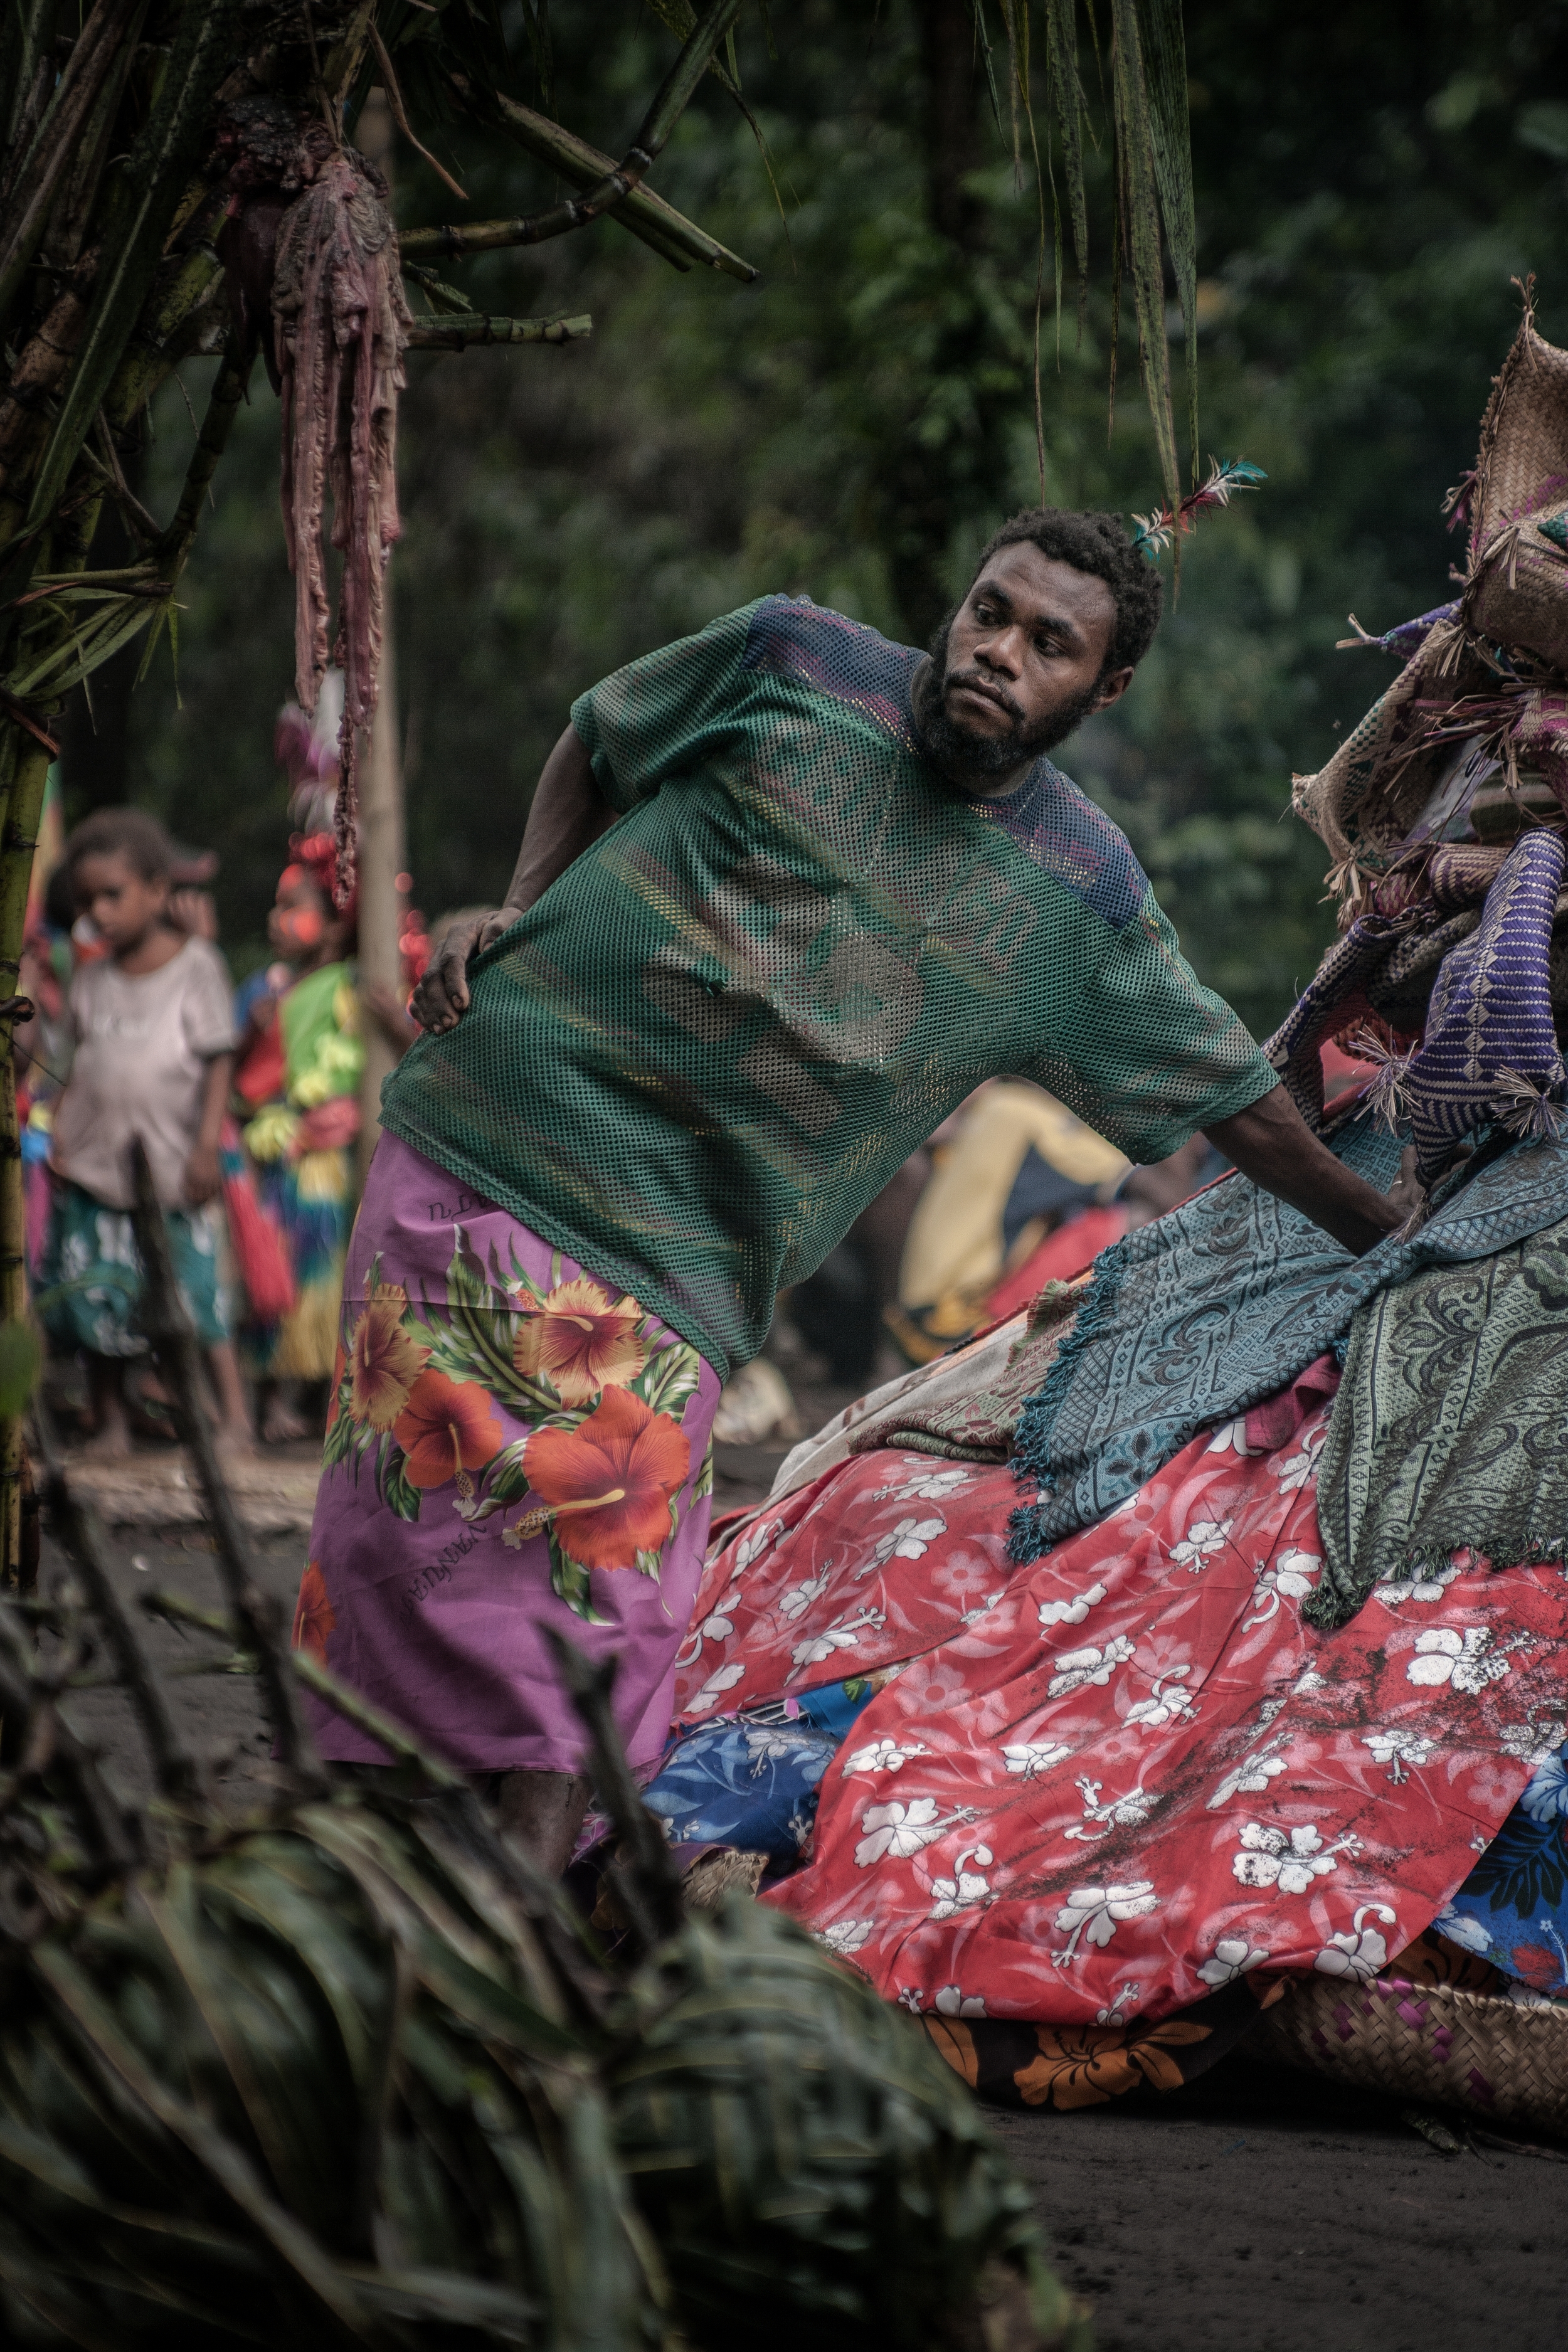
(1490, 1054)
(1517, 594)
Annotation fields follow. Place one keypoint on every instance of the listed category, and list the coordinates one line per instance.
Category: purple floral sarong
(511, 1445)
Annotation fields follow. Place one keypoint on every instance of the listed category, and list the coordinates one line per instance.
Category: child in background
(155, 1052)
(300, 1060)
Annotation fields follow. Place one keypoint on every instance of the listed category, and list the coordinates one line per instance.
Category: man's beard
(964, 752)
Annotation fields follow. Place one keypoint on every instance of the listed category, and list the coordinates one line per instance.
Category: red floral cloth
(1108, 1783)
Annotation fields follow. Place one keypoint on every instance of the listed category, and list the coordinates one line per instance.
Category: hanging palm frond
(1151, 177)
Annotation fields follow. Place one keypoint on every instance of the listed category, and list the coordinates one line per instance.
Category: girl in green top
(298, 1077)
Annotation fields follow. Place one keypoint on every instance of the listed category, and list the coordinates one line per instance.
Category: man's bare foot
(282, 1425)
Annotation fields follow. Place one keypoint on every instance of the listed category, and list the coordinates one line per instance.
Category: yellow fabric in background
(953, 1251)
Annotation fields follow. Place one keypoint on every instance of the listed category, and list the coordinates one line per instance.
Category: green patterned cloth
(714, 1040)
(1450, 1427)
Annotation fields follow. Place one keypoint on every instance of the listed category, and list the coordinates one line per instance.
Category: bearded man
(787, 894)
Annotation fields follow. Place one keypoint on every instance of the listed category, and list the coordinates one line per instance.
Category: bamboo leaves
(141, 211)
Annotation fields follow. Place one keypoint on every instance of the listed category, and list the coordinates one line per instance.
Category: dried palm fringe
(342, 322)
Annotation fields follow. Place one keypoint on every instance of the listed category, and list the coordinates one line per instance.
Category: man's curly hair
(1095, 543)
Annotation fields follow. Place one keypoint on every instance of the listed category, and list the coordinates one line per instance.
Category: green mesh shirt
(717, 1035)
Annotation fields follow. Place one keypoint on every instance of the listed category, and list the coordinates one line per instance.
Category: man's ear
(1113, 689)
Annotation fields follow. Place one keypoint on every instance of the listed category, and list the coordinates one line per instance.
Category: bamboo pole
(17, 842)
(382, 852)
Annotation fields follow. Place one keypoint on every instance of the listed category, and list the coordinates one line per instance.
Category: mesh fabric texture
(717, 1034)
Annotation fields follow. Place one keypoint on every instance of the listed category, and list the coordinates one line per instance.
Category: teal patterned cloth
(1191, 1321)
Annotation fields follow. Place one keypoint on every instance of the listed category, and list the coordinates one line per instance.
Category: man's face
(1019, 667)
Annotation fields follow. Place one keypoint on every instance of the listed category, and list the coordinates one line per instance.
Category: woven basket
(1517, 593)
(1469, 2050)
(1363, 804)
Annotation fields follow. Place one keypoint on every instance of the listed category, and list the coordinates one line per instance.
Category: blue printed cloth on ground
(1513, 1908)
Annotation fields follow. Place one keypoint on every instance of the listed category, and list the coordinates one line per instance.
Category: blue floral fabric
(1513, 1908)
(751, 1780)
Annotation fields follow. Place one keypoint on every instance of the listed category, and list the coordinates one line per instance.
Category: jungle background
(854, 424)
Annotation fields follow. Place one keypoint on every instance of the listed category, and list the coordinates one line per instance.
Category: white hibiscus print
(1459, 1659)
(1076, 1667)
(1202, 1541)
(1360, 1952)
(1459, 1928)
(1545, 1798)
(1231, 1439)
(1399, 1750)
(1127, 1813)
(1295, 1470)
(884, 1756)
(713, 1689)
(1289, 1578)
(952, 2000)
(842, 1636)
(1096, 1912)
(1533, 1743)
(901, 1829)
(1166, 1702)
(1291, 1863)
(966, 1889)
(1252, 1775)
(846, 1936)
(1073, 1611)
(1428, 1584)
(751, 1547)
(1030, 1757)
(1232, 1957)
(909, 1540)
(973, 1616)
(930, 1486)
(799, 1597)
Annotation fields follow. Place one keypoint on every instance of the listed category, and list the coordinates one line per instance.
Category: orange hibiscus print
(1085, 2065)
(386, 1361)
(607, 1483)
(446, 1429)
(315, 1616)
(581, 1339)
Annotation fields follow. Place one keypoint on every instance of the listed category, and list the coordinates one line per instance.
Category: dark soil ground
(1255, 2212)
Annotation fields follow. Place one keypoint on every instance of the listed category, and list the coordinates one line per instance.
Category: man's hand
(1271, 1143)
(203, 1175)
(442, 996)
(1408, 1193)
(567, 815)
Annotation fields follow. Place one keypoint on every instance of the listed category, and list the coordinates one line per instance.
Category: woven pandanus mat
(1469, 2050)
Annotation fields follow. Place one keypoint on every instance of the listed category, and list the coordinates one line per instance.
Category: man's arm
(1271, 1143)
(202, 1173)
(568, 814)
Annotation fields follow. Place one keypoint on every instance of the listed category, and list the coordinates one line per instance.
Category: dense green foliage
(854, 424)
